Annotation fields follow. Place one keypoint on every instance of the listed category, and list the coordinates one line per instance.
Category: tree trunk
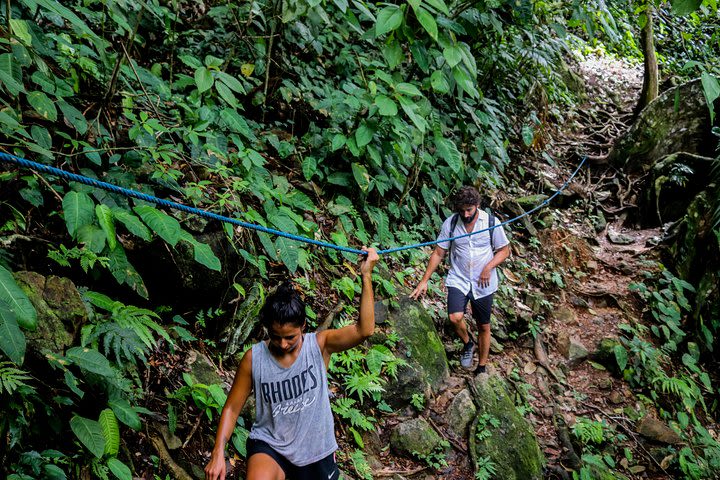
(650, 76)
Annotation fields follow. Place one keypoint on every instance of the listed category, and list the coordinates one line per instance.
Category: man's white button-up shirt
(470, 255)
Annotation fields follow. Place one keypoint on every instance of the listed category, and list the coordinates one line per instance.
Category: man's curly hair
(467, 195)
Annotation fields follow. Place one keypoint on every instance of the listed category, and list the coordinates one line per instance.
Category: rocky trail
(558, 374)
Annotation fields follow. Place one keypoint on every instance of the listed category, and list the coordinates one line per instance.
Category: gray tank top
(293, 413)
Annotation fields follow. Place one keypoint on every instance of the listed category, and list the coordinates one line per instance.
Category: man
(293, 435)
(472, 276)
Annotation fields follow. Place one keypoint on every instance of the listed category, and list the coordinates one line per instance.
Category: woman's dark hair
(284, 306)
(467, 195)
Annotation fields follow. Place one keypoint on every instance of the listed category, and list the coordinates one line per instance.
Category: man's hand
(369, 260)
(484, 280)
(420, 290)
(215, 470)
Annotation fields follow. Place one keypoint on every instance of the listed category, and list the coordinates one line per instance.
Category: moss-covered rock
(502, 434)
(665, 127)
(421, 346)
(461, 413)
(416, 437)
(60, 310)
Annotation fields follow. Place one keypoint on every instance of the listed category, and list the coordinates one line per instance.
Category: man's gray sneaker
(466, 356)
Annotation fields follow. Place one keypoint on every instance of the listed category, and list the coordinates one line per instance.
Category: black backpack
(453, 224)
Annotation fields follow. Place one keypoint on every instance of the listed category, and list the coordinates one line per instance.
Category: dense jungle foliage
(347, 121)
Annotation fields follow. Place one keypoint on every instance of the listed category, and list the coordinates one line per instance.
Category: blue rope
(21, 162)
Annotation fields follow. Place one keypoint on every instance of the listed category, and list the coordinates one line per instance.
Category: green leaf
(78, 210)
(448, 151)
(386, 106)
(16, 301)
(410, 107)
(105, 219)
(453, 55)
(364, 135)
(226, 94)
(362, 177)
(111, 432)
(338, 141)
(132, 223)
(237, 123)
(119, 469)
(288, 252)
(389, 19)
(204, 255)
(11, 75)
(427, 21)
(621, 356)
(90, 360)
(711, 89)
(164, 225)
(89, 433)
(439, 5)
(12, 340)
(125, 413)
(408, 89)
(92, 237)
(203, 79)
(73, 117)
(439, 82)
(685, 7)
(232, 82)
(69, 15)
(20, 30)
(42, 105)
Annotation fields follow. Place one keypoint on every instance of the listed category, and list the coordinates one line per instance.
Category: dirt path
(597, 298)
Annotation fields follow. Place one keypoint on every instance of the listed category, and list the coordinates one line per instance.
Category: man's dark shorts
(481, 307)
(322, 469)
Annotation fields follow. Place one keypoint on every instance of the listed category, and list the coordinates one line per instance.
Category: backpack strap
(491, 223)
(453, 224)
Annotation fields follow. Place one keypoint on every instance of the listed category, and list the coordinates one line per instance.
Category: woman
(293, 435)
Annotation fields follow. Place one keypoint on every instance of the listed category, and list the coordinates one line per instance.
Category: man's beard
(468, 220)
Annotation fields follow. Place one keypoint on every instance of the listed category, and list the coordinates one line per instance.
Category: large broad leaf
(288, 252)
(439, 5)
(11, 75)
(362, 177)
(202, 252)
(74, 117)
(203, 79)
(453, 55)
(79, 211)
(132, 223)
(42, 105)
(90, 360)
(89, 433)
(204, 255)
(711, 89)
(124, 272)
(237, 123)
(427, 21)
(410, 109)
(363, 135)
(164, 225)
(439, 82)
(57, 7)
(16, 301)
(685, 7)
(447, 151)
(386, 106)
(12, 340)
(125, 413)
(232, 82)
(119, 469)
(105, 219)
(111, 432)
(389, 19)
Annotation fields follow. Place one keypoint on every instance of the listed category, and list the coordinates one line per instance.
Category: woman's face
(285, 338)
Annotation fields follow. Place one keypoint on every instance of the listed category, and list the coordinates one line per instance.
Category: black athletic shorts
(320, 470)
(481, 308)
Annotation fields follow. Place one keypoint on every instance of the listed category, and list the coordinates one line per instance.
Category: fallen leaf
(530, 368)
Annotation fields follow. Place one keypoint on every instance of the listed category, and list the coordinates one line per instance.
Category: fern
(363, 384)
(343, 407)
(485, 469)
(124, 343)
(12, 379)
